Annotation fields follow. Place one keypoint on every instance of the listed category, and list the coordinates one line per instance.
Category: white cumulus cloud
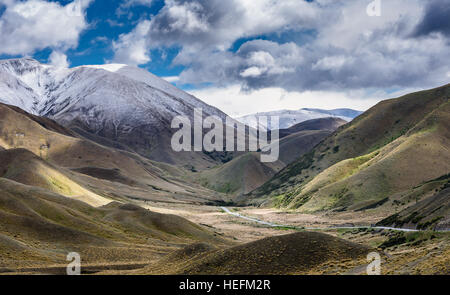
(59, 60)
(27, 26)
(131, 49)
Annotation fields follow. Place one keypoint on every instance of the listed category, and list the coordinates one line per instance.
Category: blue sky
(108, 19)
(106, 24)
(233, 53)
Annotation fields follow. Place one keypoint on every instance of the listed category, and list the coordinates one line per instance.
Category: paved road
(270, 224)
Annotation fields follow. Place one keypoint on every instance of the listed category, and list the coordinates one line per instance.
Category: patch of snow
(108, 67)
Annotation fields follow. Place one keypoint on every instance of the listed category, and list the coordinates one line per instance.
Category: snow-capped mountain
(43, 89)
(121, 103)
(289, 118)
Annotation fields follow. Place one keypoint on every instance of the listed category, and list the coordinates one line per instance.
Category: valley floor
(402, 252)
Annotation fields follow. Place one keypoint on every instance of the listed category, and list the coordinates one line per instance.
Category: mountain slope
(99, 169)
(246, 173)
(390, 149)
(329, 123)
(61, 193)
(430, 207)
(24, 167)
(120, 103)
(239, 176)
(301, 138)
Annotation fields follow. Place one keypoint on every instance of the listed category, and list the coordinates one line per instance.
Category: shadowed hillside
(241, 175)
(329, 124)
(430, 209)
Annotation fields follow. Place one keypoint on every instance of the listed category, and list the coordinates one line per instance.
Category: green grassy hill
(392, 148)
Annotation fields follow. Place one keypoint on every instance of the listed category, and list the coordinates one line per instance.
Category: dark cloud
(200, 22)
(436, 19)
(350, 50)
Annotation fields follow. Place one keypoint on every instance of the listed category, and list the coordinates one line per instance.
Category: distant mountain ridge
(289, 118)
(341, 113)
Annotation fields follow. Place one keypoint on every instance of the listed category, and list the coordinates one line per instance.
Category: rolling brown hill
(239, 176)
(60, 193)
(24, 167)
(372, 161)
(331, 123)
(297, 253)
(38, 228)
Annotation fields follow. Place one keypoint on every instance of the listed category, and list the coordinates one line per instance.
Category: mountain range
(289, 118)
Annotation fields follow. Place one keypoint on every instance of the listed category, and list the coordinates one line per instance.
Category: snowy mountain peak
(95, 95)
(124, 104)
(20, 62)
(20, 66)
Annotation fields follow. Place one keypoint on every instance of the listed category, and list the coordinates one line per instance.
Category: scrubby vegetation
(411, 239)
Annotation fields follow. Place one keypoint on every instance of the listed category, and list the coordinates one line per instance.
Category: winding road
(270, 224)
